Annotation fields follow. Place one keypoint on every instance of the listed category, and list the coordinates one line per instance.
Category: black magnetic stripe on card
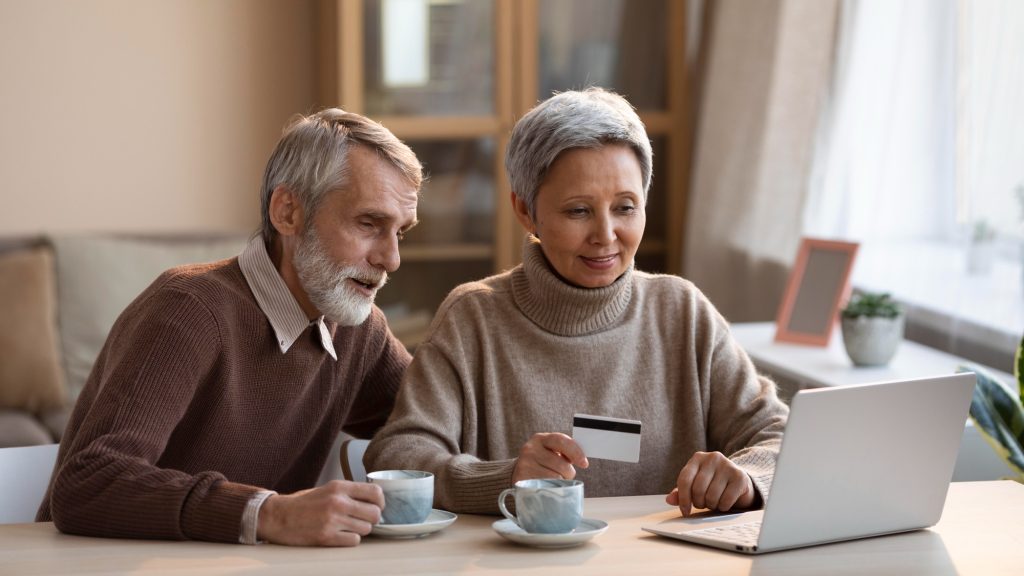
(595, 424)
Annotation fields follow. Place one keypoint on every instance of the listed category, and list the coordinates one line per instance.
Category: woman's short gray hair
(578, 119)
(311, 159)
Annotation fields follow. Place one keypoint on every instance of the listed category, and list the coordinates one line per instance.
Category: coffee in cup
(408, 495)
(545, 506)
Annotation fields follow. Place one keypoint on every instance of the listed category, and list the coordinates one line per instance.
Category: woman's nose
(603, 231)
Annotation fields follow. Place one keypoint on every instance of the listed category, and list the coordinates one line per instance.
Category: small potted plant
(981, 248)
(872, 326)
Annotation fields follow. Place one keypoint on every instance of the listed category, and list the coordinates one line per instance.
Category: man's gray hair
(311, 159)
(590, 118)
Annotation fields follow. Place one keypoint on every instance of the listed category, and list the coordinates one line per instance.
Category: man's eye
(401, 235)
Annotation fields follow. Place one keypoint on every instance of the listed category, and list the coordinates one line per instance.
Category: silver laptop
(856, 461)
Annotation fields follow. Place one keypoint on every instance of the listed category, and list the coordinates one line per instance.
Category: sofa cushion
(30, 371)
(55, 421)
(17, 428)
(97, 277)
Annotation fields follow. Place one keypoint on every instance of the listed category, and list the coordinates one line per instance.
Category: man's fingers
(370, 493)
(362, 511)
(341, 538)
(354, 525)
(336, 514)
(360, 500)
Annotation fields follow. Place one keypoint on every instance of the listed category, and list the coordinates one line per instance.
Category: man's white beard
(326, 282)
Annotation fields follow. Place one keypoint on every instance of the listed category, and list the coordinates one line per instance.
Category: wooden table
(981, 532)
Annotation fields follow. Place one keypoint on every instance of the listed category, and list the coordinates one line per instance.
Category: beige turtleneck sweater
(521, 352)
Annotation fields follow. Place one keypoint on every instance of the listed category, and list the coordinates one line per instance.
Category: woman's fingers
(549, 455)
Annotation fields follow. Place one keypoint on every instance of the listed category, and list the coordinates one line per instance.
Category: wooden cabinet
(451, 77)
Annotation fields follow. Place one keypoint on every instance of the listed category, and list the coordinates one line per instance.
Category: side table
(797, 366)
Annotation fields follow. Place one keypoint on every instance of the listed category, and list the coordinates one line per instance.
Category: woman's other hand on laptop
(710, 480)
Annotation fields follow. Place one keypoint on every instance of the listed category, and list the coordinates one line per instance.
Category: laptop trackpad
(705, 519)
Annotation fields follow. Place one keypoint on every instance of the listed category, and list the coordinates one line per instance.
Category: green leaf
(997, 411)
(872, 305)
(1018, 361)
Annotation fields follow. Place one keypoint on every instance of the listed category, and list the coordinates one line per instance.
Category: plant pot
(872, 341)
(980, 254)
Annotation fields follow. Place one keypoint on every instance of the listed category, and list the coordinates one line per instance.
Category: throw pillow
(97, 277)
(30, 370)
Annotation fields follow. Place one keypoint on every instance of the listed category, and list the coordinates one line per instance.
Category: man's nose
(385, 255)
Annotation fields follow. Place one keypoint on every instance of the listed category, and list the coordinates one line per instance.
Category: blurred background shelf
(451, 77)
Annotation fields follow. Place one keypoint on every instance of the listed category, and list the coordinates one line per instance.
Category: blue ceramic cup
(545, 506)
(408, 495)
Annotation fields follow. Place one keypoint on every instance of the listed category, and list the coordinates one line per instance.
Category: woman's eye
(627, 209)
(577, 211)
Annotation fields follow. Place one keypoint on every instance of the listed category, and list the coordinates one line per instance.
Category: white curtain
(921, 145)
(991, 115)
(768, 66)
(885, 167)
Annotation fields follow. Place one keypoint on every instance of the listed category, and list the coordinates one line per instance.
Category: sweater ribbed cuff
(216, 516)
(760, 466)
(473, 486)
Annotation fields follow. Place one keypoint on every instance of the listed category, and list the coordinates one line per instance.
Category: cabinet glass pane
(416, 289)
(429, 57)
(657, 196)
(615, 44)
(657, 213)
(457, 202)
(652, 262)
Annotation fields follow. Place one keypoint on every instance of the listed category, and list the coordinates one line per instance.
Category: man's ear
(286, 212)
(522, 213)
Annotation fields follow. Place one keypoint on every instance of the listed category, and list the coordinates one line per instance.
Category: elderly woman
(575, 328)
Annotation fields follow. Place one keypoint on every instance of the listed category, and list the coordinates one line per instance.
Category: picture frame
(818, 285)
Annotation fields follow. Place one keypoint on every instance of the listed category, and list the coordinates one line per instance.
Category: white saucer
(436, 520)
(587, 529)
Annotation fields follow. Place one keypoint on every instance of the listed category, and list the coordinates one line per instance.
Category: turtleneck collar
(561, 308)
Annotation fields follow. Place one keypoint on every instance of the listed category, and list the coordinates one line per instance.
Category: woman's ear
(523, 214)
(286, 212)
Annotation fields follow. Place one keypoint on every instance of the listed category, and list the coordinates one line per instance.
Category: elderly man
(215, 401)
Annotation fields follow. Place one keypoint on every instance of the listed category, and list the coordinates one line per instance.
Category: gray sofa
(59, 296)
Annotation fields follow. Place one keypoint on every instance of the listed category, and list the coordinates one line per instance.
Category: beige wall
(145, 115)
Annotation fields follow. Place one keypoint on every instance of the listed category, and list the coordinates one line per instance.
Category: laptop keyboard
(743, 534)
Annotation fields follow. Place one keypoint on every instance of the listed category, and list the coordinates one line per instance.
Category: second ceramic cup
(545, 506)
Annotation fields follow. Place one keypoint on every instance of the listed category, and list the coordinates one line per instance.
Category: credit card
(607, 438)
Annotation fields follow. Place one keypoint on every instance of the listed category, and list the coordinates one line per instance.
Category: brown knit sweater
(192, 408)
(521, 352)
